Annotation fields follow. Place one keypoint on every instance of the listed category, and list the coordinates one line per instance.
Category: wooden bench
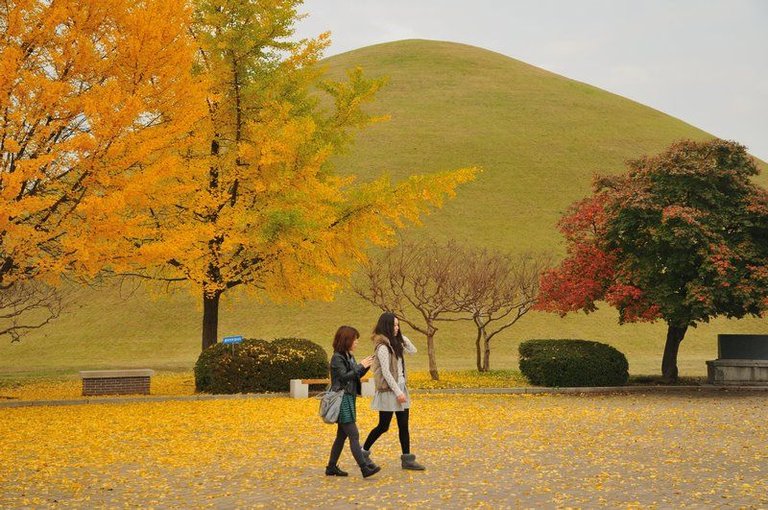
(300, 387)
(116, 382)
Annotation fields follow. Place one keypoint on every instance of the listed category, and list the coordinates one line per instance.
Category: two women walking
(391, 395)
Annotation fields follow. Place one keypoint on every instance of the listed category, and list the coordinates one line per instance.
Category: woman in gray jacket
(345, 374)
(391, 395)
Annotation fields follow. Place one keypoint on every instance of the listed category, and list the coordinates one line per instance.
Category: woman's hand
(401, 398)
(367, 361)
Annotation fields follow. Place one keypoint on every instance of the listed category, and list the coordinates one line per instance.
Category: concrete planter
(738, 372)
(742, 360)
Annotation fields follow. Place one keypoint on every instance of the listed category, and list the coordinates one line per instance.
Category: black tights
(344, 431)
(385, 418)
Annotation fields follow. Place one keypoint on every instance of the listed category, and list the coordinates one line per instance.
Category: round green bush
(297, 358)
(257, 366)
(233, 368)
(572, 363)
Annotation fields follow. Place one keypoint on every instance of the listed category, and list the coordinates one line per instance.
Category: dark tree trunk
(431, 354)
(487, 353)
(675, 335)
(478, 351)
(210, 319)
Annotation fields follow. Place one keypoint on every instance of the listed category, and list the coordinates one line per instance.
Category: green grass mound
(539, 139)
(572, 363)
(257, 366)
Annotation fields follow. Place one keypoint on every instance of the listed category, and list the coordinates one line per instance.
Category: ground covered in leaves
(697, 450)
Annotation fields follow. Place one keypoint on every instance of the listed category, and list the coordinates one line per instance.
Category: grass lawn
(640, 451)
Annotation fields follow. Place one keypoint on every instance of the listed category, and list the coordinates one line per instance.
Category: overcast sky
(703, 61)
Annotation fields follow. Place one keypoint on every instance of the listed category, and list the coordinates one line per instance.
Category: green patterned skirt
(347, 412)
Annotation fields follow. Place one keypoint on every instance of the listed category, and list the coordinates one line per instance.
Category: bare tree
(27, 305)
(497, 290)
(416, 281)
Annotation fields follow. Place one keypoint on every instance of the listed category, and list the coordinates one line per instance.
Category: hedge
(258, 366)
(572, 363)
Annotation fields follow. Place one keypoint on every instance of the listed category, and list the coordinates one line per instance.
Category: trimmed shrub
(233, 368)
(298, 358)
(257, 366)
(572, 363)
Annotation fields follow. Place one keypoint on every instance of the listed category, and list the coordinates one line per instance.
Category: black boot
(334, 471)
(409, 462)
(369, 470)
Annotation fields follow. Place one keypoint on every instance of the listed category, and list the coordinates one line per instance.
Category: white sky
(703, 61)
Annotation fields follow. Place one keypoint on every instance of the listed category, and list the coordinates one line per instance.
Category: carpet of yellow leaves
(162, 383)
(692, 450)
(468, 379)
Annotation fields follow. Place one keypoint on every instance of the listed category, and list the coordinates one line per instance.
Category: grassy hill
(539, 138)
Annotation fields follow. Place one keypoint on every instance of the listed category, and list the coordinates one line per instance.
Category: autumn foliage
(186, 142)
(254, 201)
(682, 237)
(548, 451)
(91, 92)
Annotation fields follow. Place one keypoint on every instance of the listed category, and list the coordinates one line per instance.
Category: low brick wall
(116, 382)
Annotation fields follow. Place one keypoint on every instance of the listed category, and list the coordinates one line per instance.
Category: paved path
(689, 449)
(607, 390)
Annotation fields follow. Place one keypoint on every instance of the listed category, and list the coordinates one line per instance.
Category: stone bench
(741, 360)
(300, 387)
(116, 382)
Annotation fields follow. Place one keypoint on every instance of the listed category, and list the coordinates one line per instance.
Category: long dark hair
(386, 326)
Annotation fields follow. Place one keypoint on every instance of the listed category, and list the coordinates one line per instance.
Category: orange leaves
(84, 85)
(163, 383)
(580, 281)
(686, 214)
(585, 219)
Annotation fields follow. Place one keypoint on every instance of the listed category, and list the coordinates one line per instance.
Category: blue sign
(232, 339)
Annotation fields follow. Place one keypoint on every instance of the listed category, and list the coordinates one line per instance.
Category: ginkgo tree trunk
(254, 202)
(92, 92)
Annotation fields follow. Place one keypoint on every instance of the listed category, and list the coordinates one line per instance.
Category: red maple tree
(682, 237)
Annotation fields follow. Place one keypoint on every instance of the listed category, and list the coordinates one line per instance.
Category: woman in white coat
(391, 395)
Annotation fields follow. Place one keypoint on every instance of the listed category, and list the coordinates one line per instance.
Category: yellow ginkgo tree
(254, 202)
(92, 92)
